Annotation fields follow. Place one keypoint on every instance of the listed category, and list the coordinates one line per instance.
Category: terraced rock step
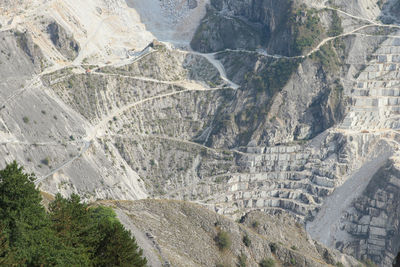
(363, 223)
(272, 178)
(297, 178)
(375, 96)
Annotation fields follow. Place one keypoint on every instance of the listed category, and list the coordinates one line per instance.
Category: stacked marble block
(279, 178)
(375, 96)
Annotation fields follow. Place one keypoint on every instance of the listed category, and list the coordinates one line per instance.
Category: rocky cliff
(370, 226)
(63, 41)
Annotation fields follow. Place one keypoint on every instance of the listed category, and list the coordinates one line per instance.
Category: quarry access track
(190, 87)
(92, 133)
(372, 23)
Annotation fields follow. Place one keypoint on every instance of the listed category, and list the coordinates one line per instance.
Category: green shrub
(336, 25)
(273, 247)
(45, 161)
(255, 224)
(242, 260)
(25, 119)
(267, 263)
(327, 57)
(274, 77)
(246, 240)
(307, 29)
(293, 247)
(369, 263)
(223, 240)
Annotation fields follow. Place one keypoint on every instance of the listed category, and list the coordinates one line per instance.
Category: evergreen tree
(19, 199)
(116, 247)
(30, 239)
(71, 222)
(6, 255)
(72, 234)
(24, 219)
(95, 232)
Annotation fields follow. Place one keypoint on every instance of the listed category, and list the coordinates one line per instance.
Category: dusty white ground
(170, 20)
(105, 30)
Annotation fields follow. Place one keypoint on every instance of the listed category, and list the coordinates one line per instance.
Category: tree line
(70, 233)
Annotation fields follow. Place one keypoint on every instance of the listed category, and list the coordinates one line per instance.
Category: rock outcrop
(253, 23)
(370, 226)
(63, 41)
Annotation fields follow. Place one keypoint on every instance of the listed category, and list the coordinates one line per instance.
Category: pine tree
(6, 254)
(72, 234)
(27, 236)
(116, 247)
(96, 232)
(24, 219)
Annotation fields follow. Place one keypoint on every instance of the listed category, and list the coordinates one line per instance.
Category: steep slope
(368, 227)
(44, 134)
(183, 234)
(253, 23)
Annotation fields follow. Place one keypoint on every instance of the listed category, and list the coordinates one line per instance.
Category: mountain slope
(183, 234)
(280, 108)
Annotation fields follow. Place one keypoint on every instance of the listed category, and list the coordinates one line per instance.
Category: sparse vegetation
(327, 57)
(242, 260)
(219, 179)
(336, 25)
(308, 30)
(274, 77)
(255, 224)
(45, 161)
(22, 40)
(273, 247)
(25, 119)
(223, 240)
(369, 263)
(246, 240)
(380, 3)
(267, 263)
